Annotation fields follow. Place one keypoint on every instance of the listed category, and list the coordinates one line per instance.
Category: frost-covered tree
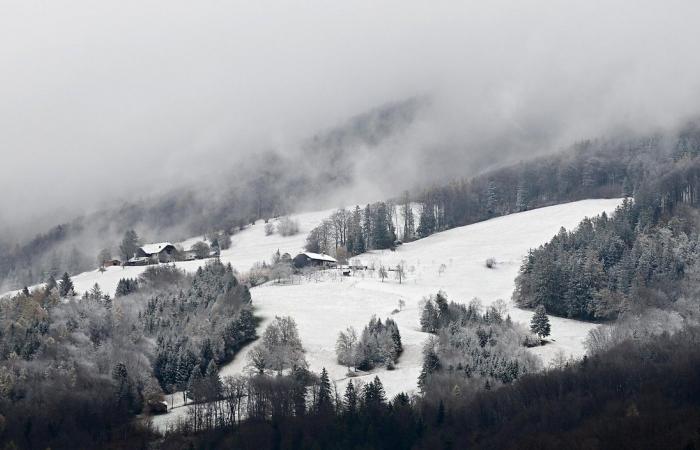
(345, 347)
(383, 274)
(400, 272)
(65, 286)
(201, 249)
(540, 322)
(280, 347)
(129, 244)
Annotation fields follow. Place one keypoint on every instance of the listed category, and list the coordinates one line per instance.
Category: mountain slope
(325, 307)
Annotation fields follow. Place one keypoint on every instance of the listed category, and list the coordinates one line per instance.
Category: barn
(158, 252)
(314, 259)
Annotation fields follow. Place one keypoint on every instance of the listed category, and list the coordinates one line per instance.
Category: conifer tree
(431, 364)
(540, 322)
(323, 401)
(350, 398)
(521, 197)
(382, 228)
(491, 197)
(194, 384)
(427, 224)
(65, 286)
(367, 228)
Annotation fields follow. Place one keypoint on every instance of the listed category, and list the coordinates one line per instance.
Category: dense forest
(637, 393)
(74, 371)
(636, 258)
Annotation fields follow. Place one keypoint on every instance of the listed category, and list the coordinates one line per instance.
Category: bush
(530, 340)
(269, 229)
(287, 226)
(491, 263)
(161, 275)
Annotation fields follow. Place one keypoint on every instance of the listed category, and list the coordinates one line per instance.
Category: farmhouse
(314, 259)
(159, 252)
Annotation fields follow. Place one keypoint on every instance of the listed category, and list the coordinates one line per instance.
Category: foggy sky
(110, 100)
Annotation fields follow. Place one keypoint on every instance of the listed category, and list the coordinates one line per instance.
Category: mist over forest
(353, 225)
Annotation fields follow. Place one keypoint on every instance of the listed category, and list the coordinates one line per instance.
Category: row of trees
(347, 233)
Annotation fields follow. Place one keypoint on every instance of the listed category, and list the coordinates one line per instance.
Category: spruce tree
(491, 197)
(540, 322)
(521, 197)
(367, 228)
(379, 393)
(323, 401)
(426, 227)
(431, 364)
(213, 381)
(65, 286)
(350, 398)
(408, 222)
(194, 384)
(382, 228)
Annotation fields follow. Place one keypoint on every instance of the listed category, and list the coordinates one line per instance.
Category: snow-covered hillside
(247, 248)
(323, 308)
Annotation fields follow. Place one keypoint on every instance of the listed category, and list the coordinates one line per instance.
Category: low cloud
(106, 102)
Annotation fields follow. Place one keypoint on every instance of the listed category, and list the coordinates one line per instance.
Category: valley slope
(328, 305)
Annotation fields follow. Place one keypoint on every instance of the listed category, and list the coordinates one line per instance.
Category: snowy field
(323, 308)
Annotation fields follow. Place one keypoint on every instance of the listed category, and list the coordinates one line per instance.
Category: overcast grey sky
(102, 99)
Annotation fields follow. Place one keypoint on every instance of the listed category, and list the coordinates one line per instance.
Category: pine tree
(65, 286)
(367, 228)
(431, 364)
(440, 418)
(323, 400)
(96, 292)
(521, 197)
(627, 189)
(428, 318)
(427, 224)
(359, 243)
(540, 322)
(194, 384)
(379, 393)
(382, 228)
(491, 197)
(408, 222)
(213, 381)
(350, 398)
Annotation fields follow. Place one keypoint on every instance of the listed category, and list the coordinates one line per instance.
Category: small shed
(111, 262)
